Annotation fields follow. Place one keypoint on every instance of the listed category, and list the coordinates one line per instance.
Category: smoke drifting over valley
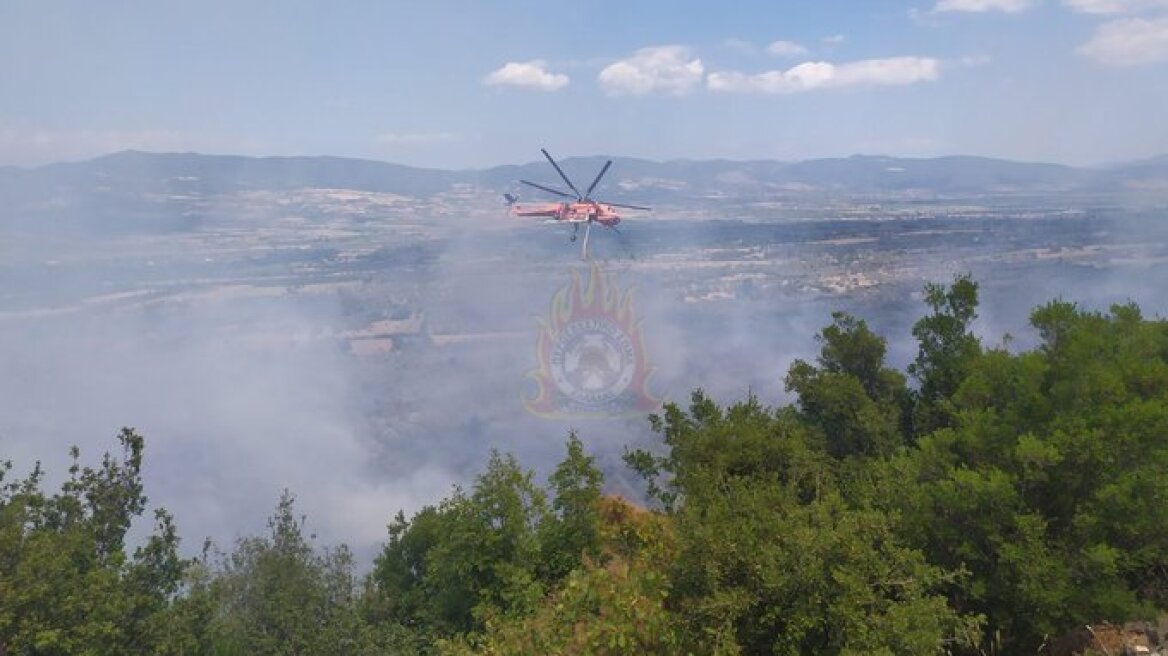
(363, 334)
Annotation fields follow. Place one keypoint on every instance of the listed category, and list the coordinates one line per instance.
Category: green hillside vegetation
(985, 501)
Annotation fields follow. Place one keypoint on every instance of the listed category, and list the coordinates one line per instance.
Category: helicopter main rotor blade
(591, 187)
(550, 190)
(561, 172)
(627, 207)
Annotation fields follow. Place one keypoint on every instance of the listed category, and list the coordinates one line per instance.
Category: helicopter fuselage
(570, 212)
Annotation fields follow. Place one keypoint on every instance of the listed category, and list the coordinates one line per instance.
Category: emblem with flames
(591, 356)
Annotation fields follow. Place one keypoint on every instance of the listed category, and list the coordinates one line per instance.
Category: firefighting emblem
(591, 357)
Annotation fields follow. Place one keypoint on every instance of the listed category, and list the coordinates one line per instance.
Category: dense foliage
(998, 501)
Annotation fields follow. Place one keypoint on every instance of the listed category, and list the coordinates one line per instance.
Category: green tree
(571, 532)
(851, 396)
(1041, 485)
(946, 347)
(772, 558)
(276, 594)
(612, 605)
(67, 585)
(746, 440)
(471, 556)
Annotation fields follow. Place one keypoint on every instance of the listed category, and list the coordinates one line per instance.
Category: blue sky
(469, 83)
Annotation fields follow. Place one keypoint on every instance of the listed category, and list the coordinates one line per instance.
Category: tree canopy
(983, 501)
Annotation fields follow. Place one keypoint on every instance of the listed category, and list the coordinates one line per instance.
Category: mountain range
(120, 181)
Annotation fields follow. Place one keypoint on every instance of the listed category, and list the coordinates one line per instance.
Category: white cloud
(811, 76)
(834, 39)
(413, 138)
(1129, 42)
(1113, 6)
(666, 69)
(982, 6)
(786, 49)
(528, 75)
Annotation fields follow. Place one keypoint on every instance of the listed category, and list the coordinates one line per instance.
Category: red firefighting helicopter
(580, 208)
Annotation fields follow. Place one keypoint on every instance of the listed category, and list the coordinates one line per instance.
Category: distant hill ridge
(137, 172)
